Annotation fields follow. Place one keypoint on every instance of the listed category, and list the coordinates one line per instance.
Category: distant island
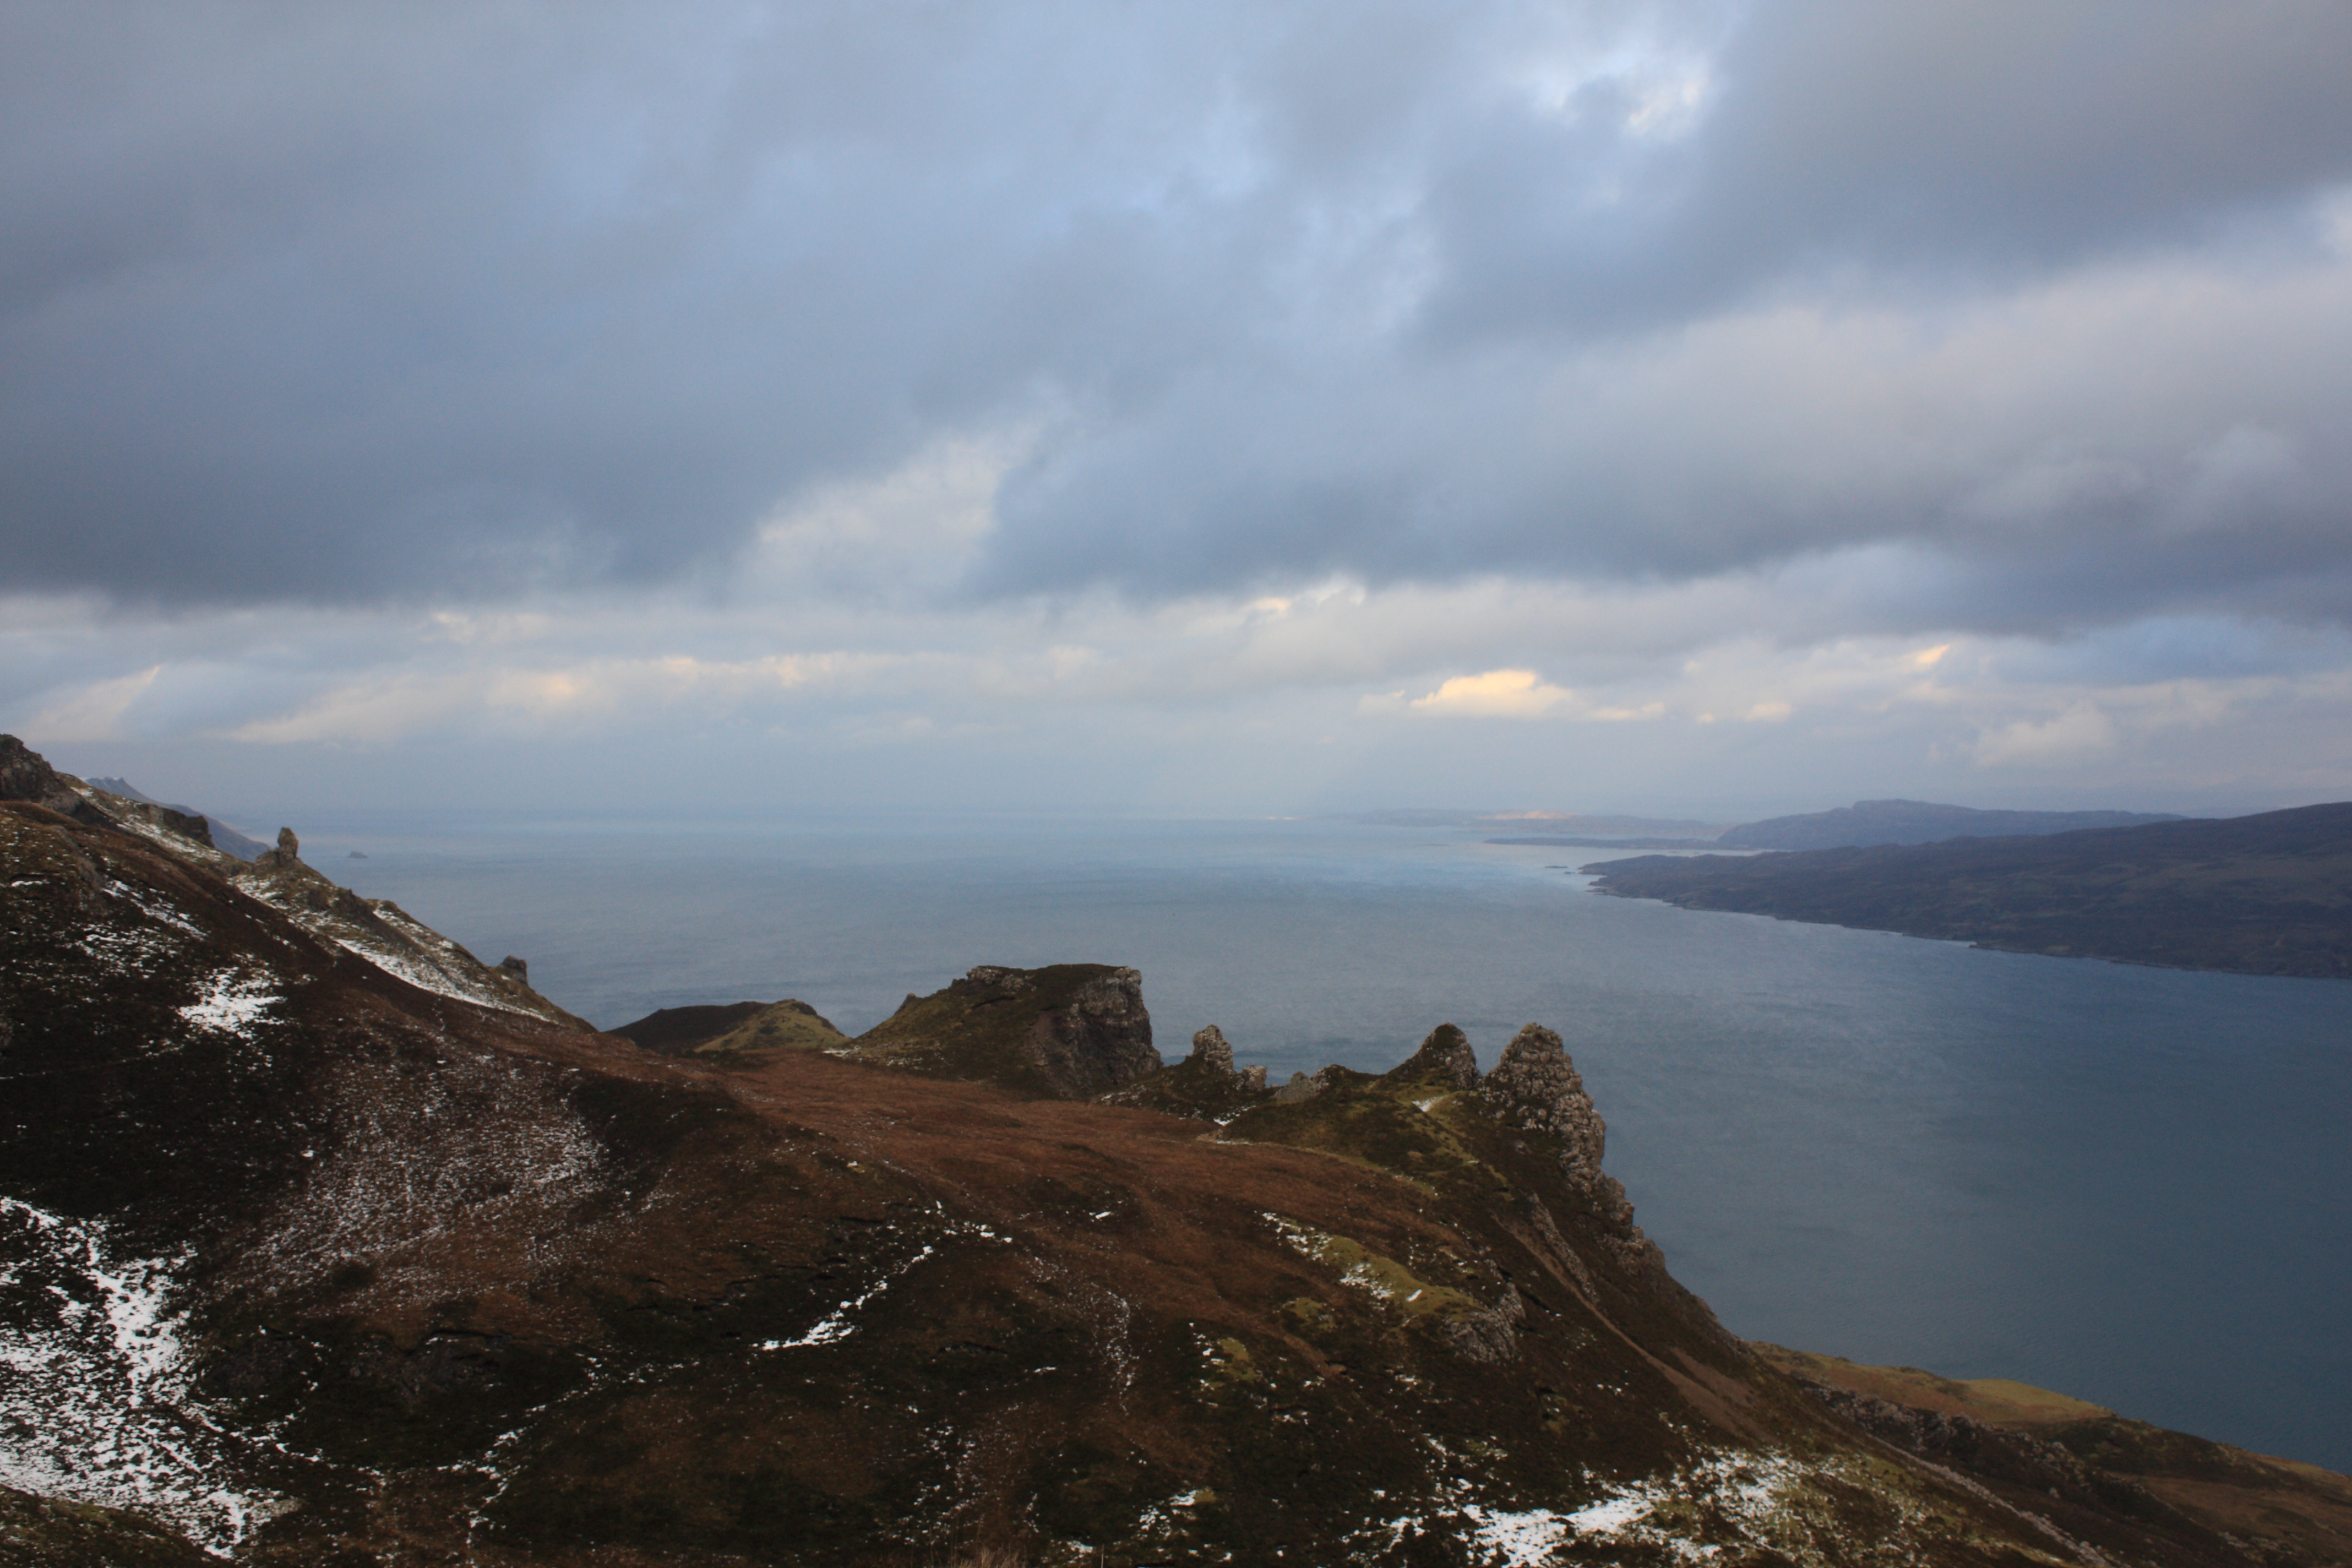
(2268, 894)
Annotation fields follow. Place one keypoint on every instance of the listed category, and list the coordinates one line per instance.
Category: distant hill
(733, 1026)
(226, 839)
(1867, 822)
(2270, 894)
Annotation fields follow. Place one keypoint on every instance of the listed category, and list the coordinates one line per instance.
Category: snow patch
(418, 970)
(837, 1326)
(136, 951)
(1609, 1517)
(153, 907)
(94, 1399)
(1518, 1540)
(179, 845)
(232, 1002)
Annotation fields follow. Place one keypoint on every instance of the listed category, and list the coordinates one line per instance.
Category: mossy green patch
(1428, 1134)
(1230, 1362)
(788, 1026)
(1376, 1274)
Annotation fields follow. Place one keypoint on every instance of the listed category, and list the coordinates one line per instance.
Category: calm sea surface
(2131, 1184)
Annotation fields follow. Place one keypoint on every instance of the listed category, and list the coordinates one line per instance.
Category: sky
(1689, 408)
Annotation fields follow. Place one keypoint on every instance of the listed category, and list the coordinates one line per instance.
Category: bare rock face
(1307, 1085)
(1301, 1086)
(288, 850)
(1099, 1040)
(1536, 1086)
(1213, 1050)
(1444, 1057)
(187, 825)
(25, 773)
(1212, 1060)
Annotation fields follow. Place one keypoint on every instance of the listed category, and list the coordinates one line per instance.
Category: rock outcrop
(127, 803)
(1205, 1085)
(1536, 1086)
(26, 774)
(1213, 1058)
(1213, 1050)
(1070, 1031)
(1445, 1060)
(1098, 1039)
(1305, 1086)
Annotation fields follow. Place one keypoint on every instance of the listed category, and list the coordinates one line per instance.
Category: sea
(2130, 1185)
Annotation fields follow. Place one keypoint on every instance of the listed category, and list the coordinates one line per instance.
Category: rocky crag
(376, 930)
(1071, 1031)
(302, 1262)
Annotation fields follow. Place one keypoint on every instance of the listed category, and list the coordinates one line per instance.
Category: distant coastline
(2268, 894)
(1563, 842)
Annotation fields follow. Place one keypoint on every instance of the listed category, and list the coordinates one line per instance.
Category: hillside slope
(2270, 894)
(318, 1266)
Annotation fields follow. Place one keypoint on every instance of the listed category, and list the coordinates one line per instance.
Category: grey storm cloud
(342, 303)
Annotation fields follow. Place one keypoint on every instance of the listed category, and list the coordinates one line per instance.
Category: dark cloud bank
(335, 304)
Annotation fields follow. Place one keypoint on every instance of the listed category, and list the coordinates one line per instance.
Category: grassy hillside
(305, 1263)
(2270, 894)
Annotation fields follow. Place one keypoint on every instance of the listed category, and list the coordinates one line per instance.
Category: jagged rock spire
(1445, 1057)
(1213, 1054)
(1535, 1086)
(287, 853)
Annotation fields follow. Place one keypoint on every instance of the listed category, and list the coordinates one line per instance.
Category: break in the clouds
(913, 370)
